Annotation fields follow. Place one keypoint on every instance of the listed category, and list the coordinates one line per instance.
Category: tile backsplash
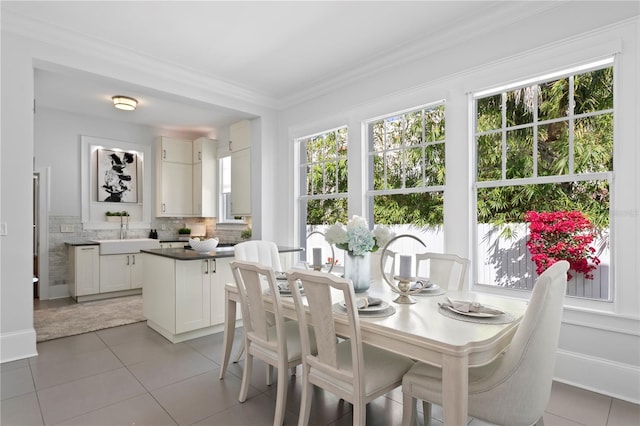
(68, 229)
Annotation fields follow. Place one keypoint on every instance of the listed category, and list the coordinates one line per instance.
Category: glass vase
(358, 270)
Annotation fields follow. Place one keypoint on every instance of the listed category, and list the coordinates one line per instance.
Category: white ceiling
(282, 52)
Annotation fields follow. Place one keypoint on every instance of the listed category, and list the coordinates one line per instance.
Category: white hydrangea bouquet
(356, 238)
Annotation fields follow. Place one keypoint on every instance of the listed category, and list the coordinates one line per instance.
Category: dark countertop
(82, 243)
(185, 254)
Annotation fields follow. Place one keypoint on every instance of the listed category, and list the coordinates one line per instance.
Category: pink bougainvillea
(562, 235)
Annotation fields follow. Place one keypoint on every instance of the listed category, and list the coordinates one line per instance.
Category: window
(406, 172)
(224, 165)
(323, 183)
(545, 146)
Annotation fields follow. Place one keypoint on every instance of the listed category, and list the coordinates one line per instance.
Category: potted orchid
(358, 241)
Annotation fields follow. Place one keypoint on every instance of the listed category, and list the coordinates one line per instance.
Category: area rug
(63, 321)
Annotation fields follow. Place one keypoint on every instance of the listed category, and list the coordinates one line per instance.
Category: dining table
(423, 331)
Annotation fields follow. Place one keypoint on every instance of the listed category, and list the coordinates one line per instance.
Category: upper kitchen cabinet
(174, 177)
(205, 178)
(240, 146)
(186, 178)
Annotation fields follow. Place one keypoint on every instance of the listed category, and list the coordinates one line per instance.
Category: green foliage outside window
(574, 142)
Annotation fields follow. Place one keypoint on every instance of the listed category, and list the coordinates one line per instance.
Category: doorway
(36, 235)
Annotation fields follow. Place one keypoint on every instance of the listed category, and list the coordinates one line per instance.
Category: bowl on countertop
(203, 245)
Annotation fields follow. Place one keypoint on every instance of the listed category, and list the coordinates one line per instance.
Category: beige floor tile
(553, 420)
(128, 333)
(144, 348)
(199, 397)
(256, 411)
(624, 413)
(60, 349)
(16, 382)
(171, 367)
(13, 365)
(582, 406)
(141, 410)
(77, 366)
(21, 411)
(82, 396)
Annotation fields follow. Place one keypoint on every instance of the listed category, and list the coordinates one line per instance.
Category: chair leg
(359, 414)
(426, 408)
(409, 412)
(269, 375)
(281, 395)
(307, 393)
(240, 352)
(246, 377)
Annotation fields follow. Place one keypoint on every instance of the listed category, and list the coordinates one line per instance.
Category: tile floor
(130, 375)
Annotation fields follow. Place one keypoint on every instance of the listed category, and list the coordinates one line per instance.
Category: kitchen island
(183, 290)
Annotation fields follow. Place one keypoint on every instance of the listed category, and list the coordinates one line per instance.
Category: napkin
(422, 283)
(469, 306)
(365, 302)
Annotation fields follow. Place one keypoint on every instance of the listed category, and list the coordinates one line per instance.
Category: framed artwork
(117, 176)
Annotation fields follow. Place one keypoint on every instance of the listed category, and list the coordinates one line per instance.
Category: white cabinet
(186, 178)
(193, 294)
(240, 146)
(83, 275)
(173, 244)
(174, 177)
(223, 275)
(121, 272)
(205, 178)
(184, 299)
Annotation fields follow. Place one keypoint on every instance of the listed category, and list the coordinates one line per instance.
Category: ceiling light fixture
(124, 102)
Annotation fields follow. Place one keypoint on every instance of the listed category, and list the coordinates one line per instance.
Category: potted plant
(246, 234)
(115, 216)
(184, 233)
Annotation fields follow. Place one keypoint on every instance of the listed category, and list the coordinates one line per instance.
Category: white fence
(500, 262)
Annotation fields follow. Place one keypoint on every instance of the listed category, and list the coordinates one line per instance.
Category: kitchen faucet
(124, 229)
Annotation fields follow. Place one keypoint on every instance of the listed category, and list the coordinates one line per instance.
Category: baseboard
(18, 345)
(609, 378)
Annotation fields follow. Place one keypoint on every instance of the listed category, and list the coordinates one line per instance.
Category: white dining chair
(260, 251)
(350, 369)
(265, 253)
(278, 345)
(446, 270)
(514, 389)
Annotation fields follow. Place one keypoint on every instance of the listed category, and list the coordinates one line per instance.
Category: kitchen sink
(131, 245)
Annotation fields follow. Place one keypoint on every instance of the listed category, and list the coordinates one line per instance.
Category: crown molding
(124, 58)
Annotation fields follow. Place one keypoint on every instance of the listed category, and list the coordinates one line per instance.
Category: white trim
(605, 377)
(18, 345)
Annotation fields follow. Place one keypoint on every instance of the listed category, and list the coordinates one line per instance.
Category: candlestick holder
(333, 255)
(403, 285)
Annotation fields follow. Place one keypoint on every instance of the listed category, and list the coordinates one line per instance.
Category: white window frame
(570, 177)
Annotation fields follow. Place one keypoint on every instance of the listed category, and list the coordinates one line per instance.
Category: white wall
(57, 145)
(19, 57)
(601, 338)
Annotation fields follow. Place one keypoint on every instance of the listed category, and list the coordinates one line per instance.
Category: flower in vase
(356, 238)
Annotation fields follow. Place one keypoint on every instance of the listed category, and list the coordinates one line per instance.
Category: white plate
(369, 309)
(472, 314)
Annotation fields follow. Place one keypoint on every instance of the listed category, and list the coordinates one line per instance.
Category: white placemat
(337, 308)
(505, 318)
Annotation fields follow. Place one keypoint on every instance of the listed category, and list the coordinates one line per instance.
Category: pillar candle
(405, 266)
(317, 256)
